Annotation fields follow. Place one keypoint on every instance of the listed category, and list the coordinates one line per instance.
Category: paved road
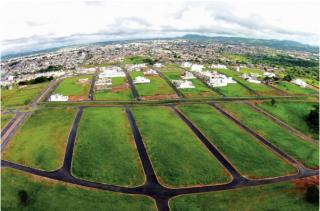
(180, 94)
(91, 92)
(132, 86)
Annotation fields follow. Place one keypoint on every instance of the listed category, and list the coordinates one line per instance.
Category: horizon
(101, 21)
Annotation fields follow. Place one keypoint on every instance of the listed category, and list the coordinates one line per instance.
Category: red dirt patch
(306, 182)
(77, 98)
(120, 88)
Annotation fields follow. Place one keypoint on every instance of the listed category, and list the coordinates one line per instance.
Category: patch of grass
(292, 113)
(251, 70)
(200, 90)
(303, 151)
(280, 196)
(235, 90)
(250, 157)
(41, 141)
(177, 156)
(294, 89)
(52, 195)
(136, 59)
(120, 91)
(5, 118)
(105, 150)
(171, 68)
(21, 96)
(157, 86)
(261, 89)
(72, 87)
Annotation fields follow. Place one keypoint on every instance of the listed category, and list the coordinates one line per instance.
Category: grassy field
(120, 91)
(238, 146)
(200, 90)
(303, 151)
(281, 196)
(235, 90)
(179, 159)
(105, 150)
(171, 68)
(52, 195)
(251, 70)
(20, 97)
(72, 87)
(135, 59)
(292, 113)
(294, 89)
(157, 87)
(261, 89)
(5, 119)
(41, 141)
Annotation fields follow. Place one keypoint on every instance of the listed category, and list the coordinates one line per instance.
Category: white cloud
(27, 25)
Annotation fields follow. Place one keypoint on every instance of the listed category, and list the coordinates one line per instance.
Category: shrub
(23, 196)
(312, 194)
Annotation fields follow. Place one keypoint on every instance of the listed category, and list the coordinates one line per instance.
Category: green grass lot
(122, 94)
(20, 97)
(303, 151)
(53, 195)
(135, 60)
(156, 87)
(171, 68)
(294, 89)
(179, 159)
(280, 196)
(292, 113)
(41, 141)
(261, 89)
(238, 146)
(250, 70)
(5, 119)
(72, 87)
(235, 90)
(200, 90)
(105, 150)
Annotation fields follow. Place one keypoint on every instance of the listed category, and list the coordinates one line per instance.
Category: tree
(313, 118)
(23, 196)
(312, 194)
(287, 77)
(273, 101)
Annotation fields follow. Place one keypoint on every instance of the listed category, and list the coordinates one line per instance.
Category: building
(270, 75)
(150, 72)
(250, 78)
(187, 75)
(220, 80)
(111, 72)
(218, 66)
(183, 84)
(141, 80)
(299, 82)
(58, 97)
(197, 67)
(83, 80)
(186, 64)
(137, 67)
(158, 65)
(103, 84)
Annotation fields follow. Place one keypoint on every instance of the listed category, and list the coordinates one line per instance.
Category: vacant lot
(53, 195)
(250, 157)
(292, 113)
(120, 91)
(235, 90)
(5, 118)
(251, 70)
(282, 196)
(105, 150)
(200, 90)
(179, 159)
(156, 89)
(21, 96)
(303, 151)
(41, 141)
(72, 87)
(294, 89)
(261, 89)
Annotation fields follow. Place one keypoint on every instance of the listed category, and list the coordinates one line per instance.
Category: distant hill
(277, 44)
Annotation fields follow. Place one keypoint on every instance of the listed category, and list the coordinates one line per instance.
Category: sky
(34, 24)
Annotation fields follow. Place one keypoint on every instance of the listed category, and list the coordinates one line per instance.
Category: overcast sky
(32, 25)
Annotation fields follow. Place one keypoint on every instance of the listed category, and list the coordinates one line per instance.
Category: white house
(187, 75)
(58, 97)
(269, 74)
(299, 82)
(111, 72)
(183, 84)
(137, 67)
(250, 78)
(218, 66)
(197, 67)
(186, 64)
(103, 84)
(220, 80)
(158, 65)
(151, 72)
(141, 80)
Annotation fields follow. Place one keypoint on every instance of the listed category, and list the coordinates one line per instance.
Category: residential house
(183, 84)
(299, 82)
(58, 97)
(218, 66)
(141, 80)
(187, 75)
(151, 72)
(103, 84)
